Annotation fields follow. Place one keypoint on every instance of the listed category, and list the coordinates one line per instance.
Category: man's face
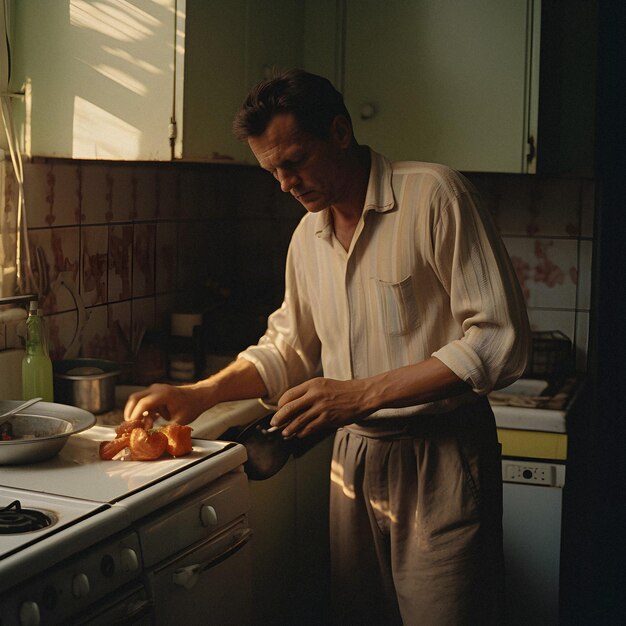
(307, 167)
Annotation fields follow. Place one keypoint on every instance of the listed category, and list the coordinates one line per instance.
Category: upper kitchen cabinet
(108, 79)
(445, 80)
(231, 46)
(97, 77)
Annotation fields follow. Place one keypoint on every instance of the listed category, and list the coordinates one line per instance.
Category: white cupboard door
(98, 77)
(442, 80)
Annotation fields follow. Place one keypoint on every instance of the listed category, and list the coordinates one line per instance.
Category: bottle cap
(33, 306)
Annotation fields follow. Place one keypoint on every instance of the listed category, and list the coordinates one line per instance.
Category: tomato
(108, 449)
(178, 439)
(147, 445)
(126, 427)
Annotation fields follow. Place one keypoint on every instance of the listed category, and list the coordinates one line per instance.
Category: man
(400, 291)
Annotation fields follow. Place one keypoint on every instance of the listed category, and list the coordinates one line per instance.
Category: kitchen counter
(531, 417)
(530, 404)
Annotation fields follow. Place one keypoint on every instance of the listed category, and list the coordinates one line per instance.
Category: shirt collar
(378, 197)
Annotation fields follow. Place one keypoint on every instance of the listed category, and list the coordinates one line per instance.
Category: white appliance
(534, 455)
(533, 505)
(104, 542)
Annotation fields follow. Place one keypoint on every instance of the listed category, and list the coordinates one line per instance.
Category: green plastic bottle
(36, 364)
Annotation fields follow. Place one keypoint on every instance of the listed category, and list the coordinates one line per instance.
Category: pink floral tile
(145, 193)
(165, 268)
(194, 255)
(588, 208)
(535, 206)
(123, 189)
(38, 195)
(96, 194)
(119, 331)
(94, 264)
(120, 262)
(143, 318)
(547, 270)
(192, 195)
(546, 319)
(52, 194)
(167, 193)
(54, 251)
(165, 304)
(143, 259)
(62, 331)
(96, 342)
(556, 207)
(8, 226)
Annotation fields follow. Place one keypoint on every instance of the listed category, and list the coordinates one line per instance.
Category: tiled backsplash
(547, 227)
(138, 241)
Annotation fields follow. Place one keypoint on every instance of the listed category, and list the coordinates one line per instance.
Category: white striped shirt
(426, 274)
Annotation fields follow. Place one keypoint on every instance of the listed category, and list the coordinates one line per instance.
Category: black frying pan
(269, 451)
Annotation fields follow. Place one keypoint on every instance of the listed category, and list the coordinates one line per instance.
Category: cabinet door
(98, 77)
(441, 80)
(229, 47)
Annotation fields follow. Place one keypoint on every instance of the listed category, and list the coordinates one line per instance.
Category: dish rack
(551, 355)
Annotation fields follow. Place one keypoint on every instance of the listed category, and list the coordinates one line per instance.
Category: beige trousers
(416, 523)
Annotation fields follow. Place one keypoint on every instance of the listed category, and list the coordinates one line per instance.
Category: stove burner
(14, 519)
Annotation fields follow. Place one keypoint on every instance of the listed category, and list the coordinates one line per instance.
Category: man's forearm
(427, 381)
(239, 380)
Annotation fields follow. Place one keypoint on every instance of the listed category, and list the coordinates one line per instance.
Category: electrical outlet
(532, 473)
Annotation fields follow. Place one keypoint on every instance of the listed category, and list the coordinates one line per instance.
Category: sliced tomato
(108, 449)
(147, 445)
(178, 439)
(124, 428)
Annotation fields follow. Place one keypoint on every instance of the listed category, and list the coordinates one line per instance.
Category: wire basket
(550, 356)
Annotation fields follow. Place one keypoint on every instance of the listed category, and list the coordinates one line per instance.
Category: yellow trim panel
(533, 444)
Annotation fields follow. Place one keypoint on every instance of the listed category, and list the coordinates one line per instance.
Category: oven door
(131, 607)
(208, 583)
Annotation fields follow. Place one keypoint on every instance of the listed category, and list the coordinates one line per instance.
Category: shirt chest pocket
(397, 306)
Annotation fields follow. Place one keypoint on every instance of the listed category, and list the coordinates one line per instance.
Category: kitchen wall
(136, 241)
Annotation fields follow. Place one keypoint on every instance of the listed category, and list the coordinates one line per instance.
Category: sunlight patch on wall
(125, 56)
(99, 135)
(121, 78)
(118, 19)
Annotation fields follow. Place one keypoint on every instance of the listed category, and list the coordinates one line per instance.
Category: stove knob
(29, 614)
(129, 560)
(80, 585)
(208, 515)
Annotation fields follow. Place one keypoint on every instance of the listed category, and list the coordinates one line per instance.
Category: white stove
(103, 530)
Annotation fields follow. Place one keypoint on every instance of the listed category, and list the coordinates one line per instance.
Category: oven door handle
(136, 611)
(189, 575)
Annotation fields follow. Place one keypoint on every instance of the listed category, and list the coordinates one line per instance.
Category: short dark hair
(312, 99)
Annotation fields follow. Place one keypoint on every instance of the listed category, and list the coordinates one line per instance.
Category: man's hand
(178, 404)
(237, 381)
(322, 404)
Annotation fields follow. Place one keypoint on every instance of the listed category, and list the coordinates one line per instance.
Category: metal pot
(86, 383)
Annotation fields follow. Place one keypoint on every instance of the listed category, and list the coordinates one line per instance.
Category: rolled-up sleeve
(289, 351)
(485, 297)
